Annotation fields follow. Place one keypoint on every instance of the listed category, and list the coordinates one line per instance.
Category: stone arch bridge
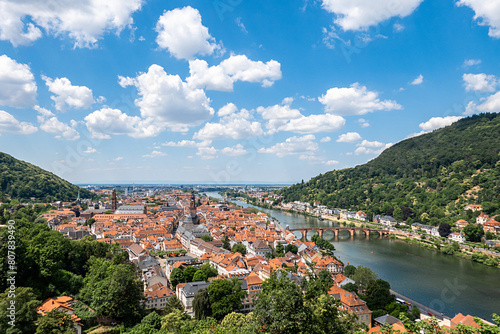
(336, 231)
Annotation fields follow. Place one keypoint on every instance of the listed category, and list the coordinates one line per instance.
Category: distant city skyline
(238, 92)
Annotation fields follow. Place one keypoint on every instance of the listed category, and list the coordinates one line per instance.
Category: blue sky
(236, 91)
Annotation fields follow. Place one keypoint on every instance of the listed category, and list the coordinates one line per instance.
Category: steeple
(78, 200)
(113, 201)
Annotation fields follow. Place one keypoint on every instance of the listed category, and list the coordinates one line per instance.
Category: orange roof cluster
(63, 304)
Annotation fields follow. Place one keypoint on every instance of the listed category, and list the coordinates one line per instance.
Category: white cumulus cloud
(480, 82)
(362, 14)
(365, 150)
(355, 100)
(50, 124)
(67, 95)
(418, 80)
(438, 122)
(226, 110)
(304, 145)
(9, 124)
(187, 143)
(207, 153)
(350, 137)
(83, 21)
(487, 13)
(325, 139)
(181, 32)
(17, 83)
(235, 126)
(235, 68)
(168, 100)
(492, 104)
(234, 151)
(105, 122)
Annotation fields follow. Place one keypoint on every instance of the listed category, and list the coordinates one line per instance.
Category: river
(445, 283)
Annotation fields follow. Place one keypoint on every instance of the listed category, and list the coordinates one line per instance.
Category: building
(131, 210)
(63, 304)
(113, 201)
(157, 295)
(350, 302)
(186, 292)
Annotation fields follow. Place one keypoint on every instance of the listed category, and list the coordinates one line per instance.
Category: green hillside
(428, 178)
(21, 180)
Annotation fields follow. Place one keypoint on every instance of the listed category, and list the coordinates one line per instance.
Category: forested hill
(428, 178)
(21, 180)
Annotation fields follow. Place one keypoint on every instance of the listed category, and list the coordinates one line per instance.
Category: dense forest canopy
(428, 178)
(21, 180)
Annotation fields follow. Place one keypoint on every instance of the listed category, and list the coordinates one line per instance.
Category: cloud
(118, 159)
(480, 82)
(373, 144)
(487, 13)
(105, 122)
(397, 27)
(168, 100)
(314, 159)
(9, 124)
(187, 143)
(325, 139)
(207, 153)
(363, 122)
(236, 126)
(350, 137)
(492, 104)
(226, 110)
(180, 32)
(67, 95)
(355, 100)
(240, 24)
(90, 150)
(470, 108)
(50, 124)
(314, 124)
(418, 80)
(235, 68)
(471, 62)
(278, 115)
(438, 122)
(361, 14)
(304, 145)
(154, 154)
(83, 21)
(17, 83)
(365, 150)
(234, 151)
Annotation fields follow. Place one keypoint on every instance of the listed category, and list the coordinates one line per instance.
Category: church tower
(113, 201)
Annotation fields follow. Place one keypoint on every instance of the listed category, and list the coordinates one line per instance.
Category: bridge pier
(352, 231)
(336, 232)
(320, 233)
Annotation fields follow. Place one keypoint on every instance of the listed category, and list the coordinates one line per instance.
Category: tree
(189, 273)
(201, 305)
(363, 277)
(239, 248)
(173, 303)
(351, 287)
(113, 291)
(279, 307)
(349, 270)
(280, 250)
(291, 248)
(444, 230)
(55, 322)
(473, 232)
(25, 311)
(378, 294)
(199, 276)
(398, 214)
(225, 243)
(176, 277)
(225, 297)
(206, 238)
